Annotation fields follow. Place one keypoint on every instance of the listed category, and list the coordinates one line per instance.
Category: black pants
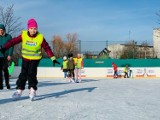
(115, 73)
(126, 74)
(28, 72)
(71, 73)
(4, 68)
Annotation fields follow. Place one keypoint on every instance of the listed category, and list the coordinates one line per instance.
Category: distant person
(79, 65)
(32, 43)
(126, 70)
(71, 67)
(130, 73)
(64, 67)
(115, 68)
(4, 58)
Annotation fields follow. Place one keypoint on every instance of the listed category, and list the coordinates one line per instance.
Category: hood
(2, 27)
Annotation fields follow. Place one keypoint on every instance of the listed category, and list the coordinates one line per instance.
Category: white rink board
(94, 72)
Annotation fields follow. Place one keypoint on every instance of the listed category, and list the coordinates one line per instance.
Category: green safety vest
(31, 47)
(65, 64)
(78, 62)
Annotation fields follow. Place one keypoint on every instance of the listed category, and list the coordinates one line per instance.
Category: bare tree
(130, 50)
(158, 14)
(13, 26)
(58, 46)
(10, 21)
(62, 48)
(71, 44)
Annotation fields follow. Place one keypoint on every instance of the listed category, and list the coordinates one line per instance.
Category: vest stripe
(31, 55)
(31, 50)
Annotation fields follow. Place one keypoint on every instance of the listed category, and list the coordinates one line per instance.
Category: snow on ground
(93, 99)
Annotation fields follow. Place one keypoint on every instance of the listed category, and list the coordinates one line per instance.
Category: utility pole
(107, 44)
(133, 48)
(79, 42)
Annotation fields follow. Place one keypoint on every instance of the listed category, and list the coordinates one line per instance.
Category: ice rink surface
(93, 99)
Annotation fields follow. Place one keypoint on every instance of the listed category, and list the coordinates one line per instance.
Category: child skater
(115, 68)
(64, 67)
(79, 65)
(71, 67)
(32, 43)
(126, 69)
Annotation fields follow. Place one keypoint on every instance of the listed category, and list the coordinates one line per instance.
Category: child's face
(32, 31)
(79, 55)
(1, 32)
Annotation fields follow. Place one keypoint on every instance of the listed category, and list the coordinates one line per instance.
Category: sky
(92, 20)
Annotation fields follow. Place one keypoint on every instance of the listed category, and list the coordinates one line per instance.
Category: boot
(32, 94)
(17, 94)
(8, 87)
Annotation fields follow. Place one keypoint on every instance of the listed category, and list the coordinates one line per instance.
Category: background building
(142, 52)
(116, 50)
(156, 42)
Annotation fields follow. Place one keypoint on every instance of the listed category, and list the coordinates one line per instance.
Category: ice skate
(32, 94)
(17, 95)
(77, 81)
(71, 81)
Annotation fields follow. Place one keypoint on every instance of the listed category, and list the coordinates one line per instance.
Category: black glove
(3, 50)
(55, 61)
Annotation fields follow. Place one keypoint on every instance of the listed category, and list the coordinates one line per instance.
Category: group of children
(72, 67)
(126, 71)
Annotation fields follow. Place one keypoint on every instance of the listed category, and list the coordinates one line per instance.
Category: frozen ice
(92, 99)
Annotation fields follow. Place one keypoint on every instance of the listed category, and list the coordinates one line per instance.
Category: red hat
(32, 23)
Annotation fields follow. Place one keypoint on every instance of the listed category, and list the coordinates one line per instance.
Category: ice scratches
(130, 104)
(2, 117)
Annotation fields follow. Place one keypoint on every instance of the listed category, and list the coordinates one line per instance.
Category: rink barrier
(137, 72)
(107, 63)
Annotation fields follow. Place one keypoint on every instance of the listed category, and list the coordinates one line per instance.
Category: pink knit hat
(32, 23)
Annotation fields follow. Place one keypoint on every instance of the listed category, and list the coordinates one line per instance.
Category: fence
(116, 49)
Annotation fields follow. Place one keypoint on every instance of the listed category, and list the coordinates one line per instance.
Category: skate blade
(32, 98)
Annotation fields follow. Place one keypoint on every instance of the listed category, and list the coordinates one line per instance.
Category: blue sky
(92, 20)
